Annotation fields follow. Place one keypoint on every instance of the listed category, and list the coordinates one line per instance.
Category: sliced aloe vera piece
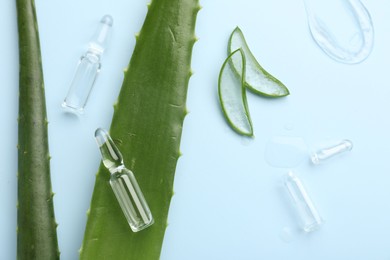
(232, 93)
(257, 79)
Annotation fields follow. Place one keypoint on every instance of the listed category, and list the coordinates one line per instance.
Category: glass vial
(329, 152)
(88, 68)
(124, 184)
(309, 216)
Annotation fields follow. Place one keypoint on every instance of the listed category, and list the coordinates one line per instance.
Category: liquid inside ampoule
(131, 199)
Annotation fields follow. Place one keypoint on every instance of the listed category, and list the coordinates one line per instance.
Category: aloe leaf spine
(37, 236)
(147, 125)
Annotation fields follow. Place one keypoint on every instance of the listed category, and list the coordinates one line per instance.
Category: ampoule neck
(93, 55)
(100, 39)
(117, 169)
(94, 50)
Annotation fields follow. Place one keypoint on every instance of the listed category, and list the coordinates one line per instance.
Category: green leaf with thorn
(148, 120)
(37, 236)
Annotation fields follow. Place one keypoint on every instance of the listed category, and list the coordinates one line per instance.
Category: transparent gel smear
(342, 28)
(285, 151)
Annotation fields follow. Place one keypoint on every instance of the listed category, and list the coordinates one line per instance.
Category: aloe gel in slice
(257, 79)
(232, 94)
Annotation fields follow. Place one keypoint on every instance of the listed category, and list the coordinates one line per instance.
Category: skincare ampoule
(124, 184)
(321, 155)
(88, 68)
(309, 216)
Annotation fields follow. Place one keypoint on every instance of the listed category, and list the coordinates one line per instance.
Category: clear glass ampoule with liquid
(326, 153)
(124, 184)
(309, 216)
(88, 68)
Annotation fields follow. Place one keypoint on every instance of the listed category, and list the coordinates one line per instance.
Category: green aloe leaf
(232, 94)
(147, 126)
(37, 235)
(257, 79)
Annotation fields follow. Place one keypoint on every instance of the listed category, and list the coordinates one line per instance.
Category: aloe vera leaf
(37, 236)
(257, 79)
(232, 94)
(147, 125)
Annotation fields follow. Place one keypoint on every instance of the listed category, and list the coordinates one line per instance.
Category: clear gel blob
(342, 29)
(285, 151)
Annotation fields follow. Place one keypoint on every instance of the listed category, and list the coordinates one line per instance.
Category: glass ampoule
(324, 154)
(88, 68)
(124, 184)
(308, 214)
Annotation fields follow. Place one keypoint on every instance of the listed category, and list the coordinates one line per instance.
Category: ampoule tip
(348, 144)
(101, 136)
(107, 19)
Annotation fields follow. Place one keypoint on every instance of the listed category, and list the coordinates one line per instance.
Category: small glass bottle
(124, 184)
(324, 154)
(88, 68)
(310, 218)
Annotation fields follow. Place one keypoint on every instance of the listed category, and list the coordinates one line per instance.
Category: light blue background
(228, 203)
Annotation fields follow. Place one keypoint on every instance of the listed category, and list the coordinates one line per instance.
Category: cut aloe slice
(257, 79)
(232, 93)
